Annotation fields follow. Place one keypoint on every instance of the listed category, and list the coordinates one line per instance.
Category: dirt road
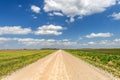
(60, 66)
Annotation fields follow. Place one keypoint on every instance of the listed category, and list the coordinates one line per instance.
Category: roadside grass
(11, 60)
(108, 60)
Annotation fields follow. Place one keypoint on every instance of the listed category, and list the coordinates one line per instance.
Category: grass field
(11, 60)
(107, 59)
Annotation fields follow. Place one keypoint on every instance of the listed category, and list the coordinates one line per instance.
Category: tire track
(59, 70)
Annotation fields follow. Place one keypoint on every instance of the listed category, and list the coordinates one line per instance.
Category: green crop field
(11, 60)
(107, 59)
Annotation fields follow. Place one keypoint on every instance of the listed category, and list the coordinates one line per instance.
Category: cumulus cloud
(35, 9)
(115, 43)
(49, 30)
(91, 43)
(65, 40)
(42, 30)
(94, 35)
(80, 8)
(2, 39)
(54, 43)
(65, 43)
(29, 41)
(115, 16)
(117, 40)
(47, 42)
(14, 30)
(38, 42)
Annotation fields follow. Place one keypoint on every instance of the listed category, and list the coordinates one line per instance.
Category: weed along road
(60, 66)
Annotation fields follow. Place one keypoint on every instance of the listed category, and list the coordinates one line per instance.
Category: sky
(35, 24)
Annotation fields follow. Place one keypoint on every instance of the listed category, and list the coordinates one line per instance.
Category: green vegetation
(107, 59)
(11, 60)
(104, 51)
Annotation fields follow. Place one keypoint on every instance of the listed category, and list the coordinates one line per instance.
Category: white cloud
(37, 42)
(54, 43)
(118, 1)
(117, 40)
(14, 30)
(19, 6)
(94, 35)
(46, 42)
(43, 30)
(91, 43)
(68, 43)
(2, 39)
(56, 14)
(72, 19)
(35, 9)
(108, 43)
(51, 14)
(80, 8)
(65, 43)
(35, 17)
(116, 16)
(65, 40)
(30, 41)
(49, 30)
(101, 44)
(51, 40)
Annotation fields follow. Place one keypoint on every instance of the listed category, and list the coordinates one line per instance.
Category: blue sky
(35, 24)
